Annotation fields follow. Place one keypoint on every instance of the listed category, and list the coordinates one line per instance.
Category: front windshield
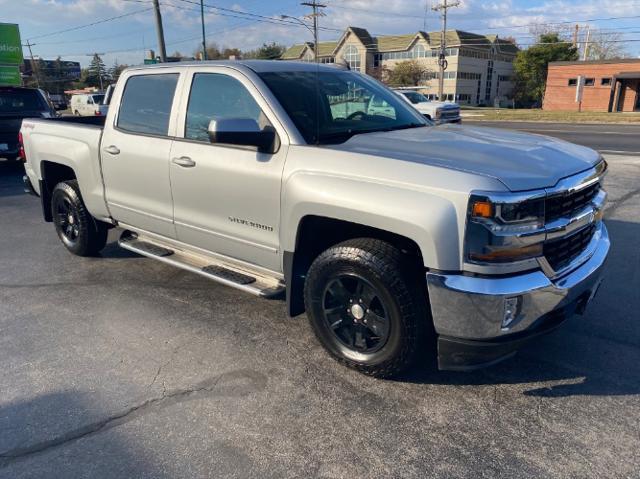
(415, 97)
(98, 99)
(331, 107)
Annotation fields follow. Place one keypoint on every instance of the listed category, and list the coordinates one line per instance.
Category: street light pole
(283, 17)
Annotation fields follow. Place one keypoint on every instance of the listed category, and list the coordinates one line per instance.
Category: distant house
(480, 67)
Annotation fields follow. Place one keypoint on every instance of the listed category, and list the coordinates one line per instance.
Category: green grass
(505, 114)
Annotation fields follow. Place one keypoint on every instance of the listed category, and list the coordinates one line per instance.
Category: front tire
(80, 233)
(366, 306)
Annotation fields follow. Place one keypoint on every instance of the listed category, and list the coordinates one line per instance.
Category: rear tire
(367, 306)
(80, 233)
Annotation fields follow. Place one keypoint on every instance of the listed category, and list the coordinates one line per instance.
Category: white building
(479, 71)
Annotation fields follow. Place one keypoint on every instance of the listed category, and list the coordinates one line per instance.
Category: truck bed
(70, 141)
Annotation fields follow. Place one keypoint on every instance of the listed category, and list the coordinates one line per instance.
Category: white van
(89, 104)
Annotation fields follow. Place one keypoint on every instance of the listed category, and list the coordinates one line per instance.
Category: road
(607, 138)
(120, 366)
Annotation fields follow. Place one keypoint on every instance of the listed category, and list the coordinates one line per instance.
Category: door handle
(112, 149)
(184, 161)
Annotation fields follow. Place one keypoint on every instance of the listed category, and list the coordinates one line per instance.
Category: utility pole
(316, 13)
(204, 38)
(34, 67)
(442, 60)
(160, 31)
(585, 53)
(575, 36)
(426, 11)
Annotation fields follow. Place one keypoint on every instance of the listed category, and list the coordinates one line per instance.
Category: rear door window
(146, 104)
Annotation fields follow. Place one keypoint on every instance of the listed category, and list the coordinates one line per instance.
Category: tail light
(98, 113)
(21, 154)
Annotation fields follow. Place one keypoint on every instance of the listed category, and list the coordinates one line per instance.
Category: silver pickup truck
(397, 237)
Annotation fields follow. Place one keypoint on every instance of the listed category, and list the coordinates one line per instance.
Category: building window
(589, 82)
(419, 51)
(572, 82)
(352, 57)
(605, 82)
(469, 76)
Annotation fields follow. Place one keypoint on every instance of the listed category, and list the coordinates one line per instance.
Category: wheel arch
(52, 173)
(315, 234)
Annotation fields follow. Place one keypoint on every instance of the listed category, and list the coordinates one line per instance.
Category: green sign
(150, 61)
(10, 46)
(10, 75)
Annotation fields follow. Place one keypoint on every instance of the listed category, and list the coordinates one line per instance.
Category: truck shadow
(597, 354)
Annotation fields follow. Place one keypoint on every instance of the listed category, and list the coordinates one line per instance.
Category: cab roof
(258, 66)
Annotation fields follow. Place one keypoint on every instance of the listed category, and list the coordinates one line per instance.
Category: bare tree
(606, 46)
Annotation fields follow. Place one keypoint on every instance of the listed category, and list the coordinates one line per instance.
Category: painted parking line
(620, 152)
(581, 132)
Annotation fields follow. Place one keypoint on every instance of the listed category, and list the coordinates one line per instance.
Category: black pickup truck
(17, 103)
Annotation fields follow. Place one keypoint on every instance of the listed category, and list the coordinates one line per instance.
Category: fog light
(511, 310)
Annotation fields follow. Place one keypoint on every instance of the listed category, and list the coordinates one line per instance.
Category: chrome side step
(225, 273)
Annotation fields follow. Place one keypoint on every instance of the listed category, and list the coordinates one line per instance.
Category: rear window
(146, 104)
(98, 99)
(16, 101)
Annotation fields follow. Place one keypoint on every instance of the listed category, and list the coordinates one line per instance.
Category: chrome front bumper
(473, 307)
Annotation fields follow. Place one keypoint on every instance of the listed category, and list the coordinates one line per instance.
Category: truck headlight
(438, 113)
(504, 231)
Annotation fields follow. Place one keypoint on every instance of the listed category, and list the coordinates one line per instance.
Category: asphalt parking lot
(121, 366)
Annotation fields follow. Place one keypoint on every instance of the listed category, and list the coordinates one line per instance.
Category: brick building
(607, 85)
(480, 67)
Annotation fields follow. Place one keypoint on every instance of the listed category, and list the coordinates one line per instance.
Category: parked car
(17, 103)
(59, 102)
(395, 237)
(438, 111)
(90, 104)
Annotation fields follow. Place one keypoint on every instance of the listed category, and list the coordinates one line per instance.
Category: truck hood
(521, 161)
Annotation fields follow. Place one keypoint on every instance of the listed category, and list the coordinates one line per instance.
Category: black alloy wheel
(80, 232)
(355, 313)
(366, 302)
(66, 220)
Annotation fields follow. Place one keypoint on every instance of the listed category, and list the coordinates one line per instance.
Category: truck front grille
(565, 205)
(449, 114)
(559, 253)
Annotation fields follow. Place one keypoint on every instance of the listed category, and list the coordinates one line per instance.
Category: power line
(564, 22)
(239, 14)
(90, 24)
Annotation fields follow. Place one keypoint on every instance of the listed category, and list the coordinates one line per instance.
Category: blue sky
(125, 39)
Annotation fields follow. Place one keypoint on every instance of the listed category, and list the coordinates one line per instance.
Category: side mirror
(243, 132)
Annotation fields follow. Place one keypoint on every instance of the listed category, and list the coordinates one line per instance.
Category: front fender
(431, 221)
